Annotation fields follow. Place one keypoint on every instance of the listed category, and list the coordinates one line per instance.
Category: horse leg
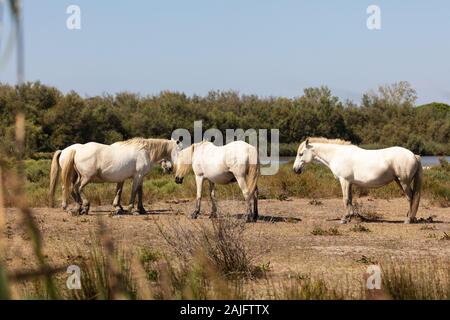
(347, 197)
(141, 208)
(255, 205)
(199, 183)
(73, 193)
(116, 202)
(212, 194)
(84, 200)
(76, 194)
(134, 189)
(406, 188)
(247, 197)
(64, 201)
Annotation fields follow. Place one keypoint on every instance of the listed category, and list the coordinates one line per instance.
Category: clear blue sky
(252, 46)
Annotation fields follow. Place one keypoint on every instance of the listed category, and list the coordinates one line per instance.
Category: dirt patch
(283, 237)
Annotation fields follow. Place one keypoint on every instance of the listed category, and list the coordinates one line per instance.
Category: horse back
(403, 161)
(109, 163)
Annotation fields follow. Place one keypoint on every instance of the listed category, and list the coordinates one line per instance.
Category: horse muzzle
(178, 180)
(298, 170)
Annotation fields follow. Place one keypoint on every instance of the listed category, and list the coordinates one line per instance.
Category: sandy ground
(282, 236)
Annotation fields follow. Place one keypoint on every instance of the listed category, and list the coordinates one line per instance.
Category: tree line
(385, 117)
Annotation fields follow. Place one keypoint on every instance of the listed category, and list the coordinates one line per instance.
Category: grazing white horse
(237, 161)
(366, 168)
(57, 162)
(95, 162)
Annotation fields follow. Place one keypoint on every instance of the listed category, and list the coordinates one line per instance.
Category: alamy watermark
(74, 280)
(373, 22)
(73, 22)
(258, 138)
(373, 277)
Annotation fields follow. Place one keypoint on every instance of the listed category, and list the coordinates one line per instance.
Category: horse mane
(185, 164)
(329, 141)
(324, 141)
(156, 148)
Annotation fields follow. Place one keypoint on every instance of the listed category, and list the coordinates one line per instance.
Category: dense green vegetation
(383, 118)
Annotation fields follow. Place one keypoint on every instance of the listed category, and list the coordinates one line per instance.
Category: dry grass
(318, 231)
(360, 228)
(221, 243)
(366, 213)
(413, 280)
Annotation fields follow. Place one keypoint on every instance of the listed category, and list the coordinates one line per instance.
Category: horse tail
(54, 175)
(253, 172)
(417, 186)
(68, 171)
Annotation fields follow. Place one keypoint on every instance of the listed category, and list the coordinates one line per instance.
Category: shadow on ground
(360, 219)
(272, 219)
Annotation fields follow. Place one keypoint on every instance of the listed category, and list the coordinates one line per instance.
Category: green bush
(50, 123)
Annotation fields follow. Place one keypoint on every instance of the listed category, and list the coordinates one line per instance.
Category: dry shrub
(221, 243)
(359, 228)
(367, 214)
(318, 231)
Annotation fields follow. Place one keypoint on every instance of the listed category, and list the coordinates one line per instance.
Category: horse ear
(307, 141)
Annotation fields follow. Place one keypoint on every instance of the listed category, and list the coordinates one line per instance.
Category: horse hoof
(213, 216)
(410, 220)
(75, 212)
(194, 215)
(117, 212)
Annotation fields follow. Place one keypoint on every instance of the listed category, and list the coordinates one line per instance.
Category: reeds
(416, 280)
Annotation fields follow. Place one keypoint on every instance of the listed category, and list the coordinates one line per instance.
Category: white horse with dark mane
(366, 168)
(237, 161)
(57, 163)
(131, 159)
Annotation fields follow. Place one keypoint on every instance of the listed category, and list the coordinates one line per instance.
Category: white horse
(57, 163)
(366, 168)
(236, 161)
(95, 162)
